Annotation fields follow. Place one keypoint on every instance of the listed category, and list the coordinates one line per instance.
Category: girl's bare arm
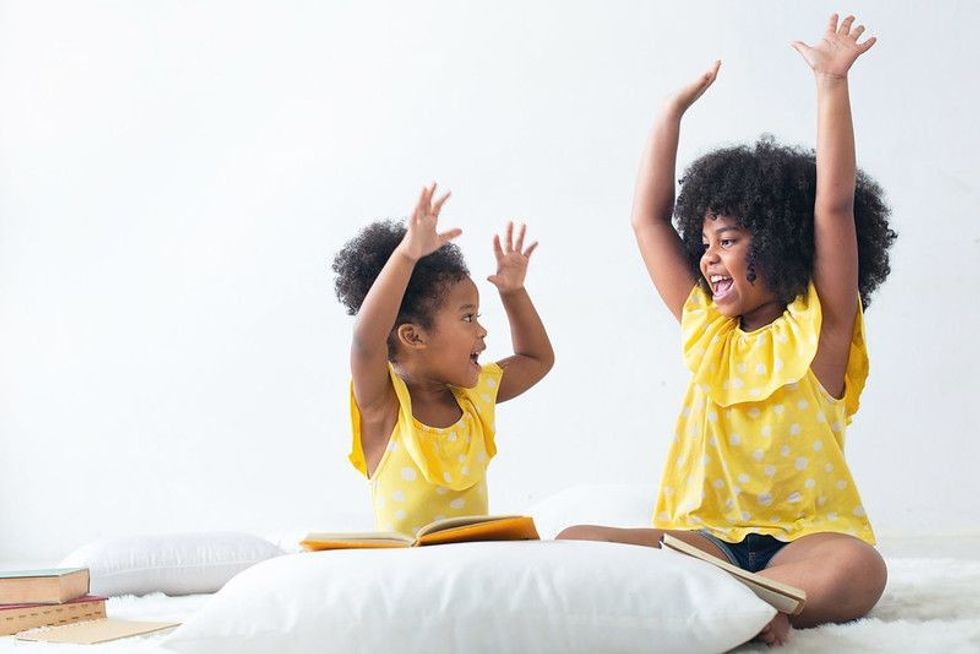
(653, 200)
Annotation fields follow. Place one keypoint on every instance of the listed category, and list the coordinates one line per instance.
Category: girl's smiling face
(457, 337)
(724, 265)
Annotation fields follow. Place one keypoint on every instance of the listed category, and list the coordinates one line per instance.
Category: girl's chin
(472, 377)
(727, 305)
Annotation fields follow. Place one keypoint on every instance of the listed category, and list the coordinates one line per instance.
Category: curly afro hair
(769, 189)
(360, 262)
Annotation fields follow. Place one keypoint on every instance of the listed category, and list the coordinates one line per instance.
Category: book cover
(784, 597)
(19, 617)
(448, 530)
(51, 586)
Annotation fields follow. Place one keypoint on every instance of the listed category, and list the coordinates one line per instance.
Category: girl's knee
(872, 578)
(861, 578)
(850, 582)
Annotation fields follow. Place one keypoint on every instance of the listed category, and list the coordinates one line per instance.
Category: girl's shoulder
(733, 366)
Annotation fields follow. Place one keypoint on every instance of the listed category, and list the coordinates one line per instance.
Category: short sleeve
(356, 456)
(454, 457)
(856, 373)
(733, 366)
(482, 399)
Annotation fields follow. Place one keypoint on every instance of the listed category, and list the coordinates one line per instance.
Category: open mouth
(720, 285)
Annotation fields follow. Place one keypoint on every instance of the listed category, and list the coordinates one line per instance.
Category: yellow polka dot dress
(429, 473)
(759, 445)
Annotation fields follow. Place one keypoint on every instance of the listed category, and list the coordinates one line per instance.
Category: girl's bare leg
(843, 576)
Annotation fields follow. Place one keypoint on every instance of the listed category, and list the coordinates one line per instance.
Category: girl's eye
(727, 242)
(470, 317)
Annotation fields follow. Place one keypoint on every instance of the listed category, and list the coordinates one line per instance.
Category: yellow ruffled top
(759, 445)
(428, 473)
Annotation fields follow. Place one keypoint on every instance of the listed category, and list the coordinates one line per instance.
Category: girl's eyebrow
(726, 228)
(467, 306)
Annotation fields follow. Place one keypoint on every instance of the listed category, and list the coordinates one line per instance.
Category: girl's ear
(410, 336)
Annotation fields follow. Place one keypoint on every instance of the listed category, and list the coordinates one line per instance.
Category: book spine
(17, 620)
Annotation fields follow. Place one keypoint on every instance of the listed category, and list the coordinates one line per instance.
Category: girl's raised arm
(376, 317)
(653, 201)
(835, 268)
(533, 356)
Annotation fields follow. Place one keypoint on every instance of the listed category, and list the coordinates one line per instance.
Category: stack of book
(40, 598)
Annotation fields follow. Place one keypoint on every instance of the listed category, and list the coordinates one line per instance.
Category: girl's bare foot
(776, 632)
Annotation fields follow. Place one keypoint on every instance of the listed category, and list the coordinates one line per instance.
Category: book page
(93, 631)
(460, 521)
(486, 529)
(352, 540)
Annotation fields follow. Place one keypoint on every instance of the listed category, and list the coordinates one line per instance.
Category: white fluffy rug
(929, 605)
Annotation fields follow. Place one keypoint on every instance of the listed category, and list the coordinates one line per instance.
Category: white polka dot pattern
(762, 445)
(429, 473)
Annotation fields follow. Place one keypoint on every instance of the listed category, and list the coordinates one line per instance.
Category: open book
(786, 598)
(448, 530)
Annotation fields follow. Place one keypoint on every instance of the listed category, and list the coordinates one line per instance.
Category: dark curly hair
(360, 262)
(769, 189)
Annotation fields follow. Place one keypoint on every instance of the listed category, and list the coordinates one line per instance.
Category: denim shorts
(753, 553)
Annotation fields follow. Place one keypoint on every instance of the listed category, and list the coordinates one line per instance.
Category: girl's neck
(762, 315)
(423, 389)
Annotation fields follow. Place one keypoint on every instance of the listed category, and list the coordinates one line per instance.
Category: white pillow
(523, 596)
(175, 564)
(617, 505)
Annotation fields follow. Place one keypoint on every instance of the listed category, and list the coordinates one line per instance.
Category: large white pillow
(617, 505)
(529, 596)
(175, 564)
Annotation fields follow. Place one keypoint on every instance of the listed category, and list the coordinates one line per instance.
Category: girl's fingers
(713, 71)
(856, 32)
(832, 25)
(864, 47)
(449, 235)
(519, 245)
(530, 249)
(707, 79)
(437, 207)
(802, 48)
(845, 26)
(509, 238)
(497, 250)
(420, 206)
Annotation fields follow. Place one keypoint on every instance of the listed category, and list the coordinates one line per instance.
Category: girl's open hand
(680, 101)
(422, 238)
(512, 259)
(837, 51)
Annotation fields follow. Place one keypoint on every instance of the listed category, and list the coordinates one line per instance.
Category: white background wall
(175, 178)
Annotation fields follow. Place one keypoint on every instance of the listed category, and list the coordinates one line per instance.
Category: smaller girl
(422, 405)
(777, 255)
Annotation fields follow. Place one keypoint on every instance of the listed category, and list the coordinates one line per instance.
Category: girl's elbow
(547, 363)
